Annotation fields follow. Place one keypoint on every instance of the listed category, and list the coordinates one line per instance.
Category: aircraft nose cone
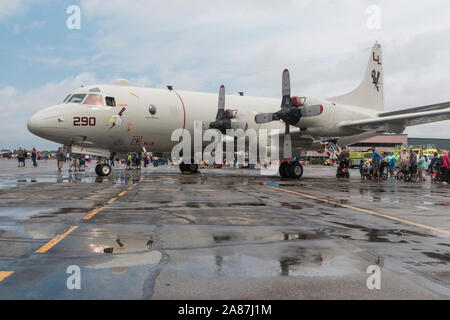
(48, 123)
(32, 124)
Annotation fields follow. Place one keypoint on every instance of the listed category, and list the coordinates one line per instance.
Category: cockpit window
(94, 99)
(67, 98)
(110, 101)
(77, 98)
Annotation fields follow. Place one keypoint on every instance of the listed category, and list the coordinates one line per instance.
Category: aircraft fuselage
(101, 126)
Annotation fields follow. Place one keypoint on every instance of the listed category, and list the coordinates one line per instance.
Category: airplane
(100, 119)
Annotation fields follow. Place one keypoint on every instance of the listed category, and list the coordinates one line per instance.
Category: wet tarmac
(221, 234)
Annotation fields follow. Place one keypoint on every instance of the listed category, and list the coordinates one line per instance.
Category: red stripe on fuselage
(184, 109)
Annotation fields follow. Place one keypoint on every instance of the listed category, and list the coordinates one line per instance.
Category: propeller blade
(222, 97)
(266, 117)
(311, 111)
(221, 104)
(286, 88)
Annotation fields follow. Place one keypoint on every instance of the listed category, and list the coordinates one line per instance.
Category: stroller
(439, 174)
(384, 167)
(342, 170)
(404, 175)
(364, 170)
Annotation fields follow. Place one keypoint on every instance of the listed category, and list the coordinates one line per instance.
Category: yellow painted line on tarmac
(54, 241)
(419, 225)
(95, 211)
(92, 213)
(5, 274)
(111, 200)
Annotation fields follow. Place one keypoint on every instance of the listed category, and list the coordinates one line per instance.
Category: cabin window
(77, 98)
(94, 99)
(110, 101)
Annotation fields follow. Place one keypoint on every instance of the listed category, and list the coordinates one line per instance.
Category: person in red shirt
(446, 167)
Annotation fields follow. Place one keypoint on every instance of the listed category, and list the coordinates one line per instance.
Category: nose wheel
(103, 170)
(291, 169)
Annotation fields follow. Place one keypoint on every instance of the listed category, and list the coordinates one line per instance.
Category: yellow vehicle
(357, 157)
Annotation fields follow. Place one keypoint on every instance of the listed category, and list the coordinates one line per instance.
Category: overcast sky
(198, 45)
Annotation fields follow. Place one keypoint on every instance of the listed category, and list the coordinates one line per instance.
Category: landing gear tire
(97, 169)
(191, 168)
(103, 170)
(291, 169)
(283, 169)
(295, 170)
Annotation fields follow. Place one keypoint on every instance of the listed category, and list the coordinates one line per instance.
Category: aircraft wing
(397, 122)
(431, 107)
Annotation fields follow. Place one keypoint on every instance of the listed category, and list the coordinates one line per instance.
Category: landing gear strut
(103, 169)
(291, 169)
(189, 168)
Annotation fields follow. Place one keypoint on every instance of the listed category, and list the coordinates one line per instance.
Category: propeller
(291, 108)
(223, 120)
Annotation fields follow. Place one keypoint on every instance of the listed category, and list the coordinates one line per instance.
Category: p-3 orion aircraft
(100, 119)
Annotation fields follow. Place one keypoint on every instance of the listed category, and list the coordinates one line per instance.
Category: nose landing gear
(103, 169)
(291, 169)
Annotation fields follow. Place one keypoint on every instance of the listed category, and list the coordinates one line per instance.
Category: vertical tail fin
(369, 94)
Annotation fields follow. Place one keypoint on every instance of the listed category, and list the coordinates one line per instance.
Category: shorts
(391, 167)
(376, 166)
(413, 169)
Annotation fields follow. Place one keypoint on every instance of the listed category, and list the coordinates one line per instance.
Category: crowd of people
(33, 155)
(412, 164)
(132, 161)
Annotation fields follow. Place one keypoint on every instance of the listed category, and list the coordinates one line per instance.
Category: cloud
(198, 45)
(9, 8)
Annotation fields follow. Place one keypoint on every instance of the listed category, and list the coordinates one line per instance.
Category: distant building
(430, 143)
(390, 142)
(387, 142)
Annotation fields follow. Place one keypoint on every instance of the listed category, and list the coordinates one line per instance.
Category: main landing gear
(189, 168)
(291, 169)
(103, 169)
